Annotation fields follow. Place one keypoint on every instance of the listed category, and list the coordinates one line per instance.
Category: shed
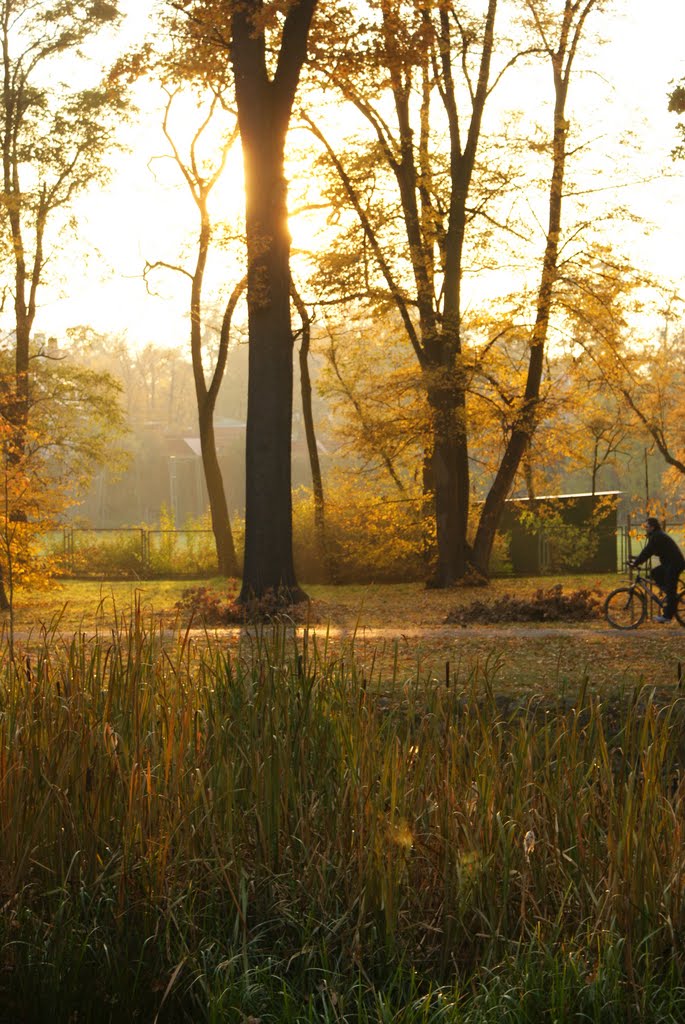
(562, 533)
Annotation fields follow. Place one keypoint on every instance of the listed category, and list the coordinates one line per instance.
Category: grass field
(296, 826)
(397, 606)
(399, 631)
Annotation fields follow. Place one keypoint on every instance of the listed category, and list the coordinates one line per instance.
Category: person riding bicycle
(672, 564)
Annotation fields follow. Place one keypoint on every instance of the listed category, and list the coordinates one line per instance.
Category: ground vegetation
(312, 839)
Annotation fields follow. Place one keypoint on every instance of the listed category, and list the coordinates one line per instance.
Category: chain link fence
(145, 553)
(132, 553)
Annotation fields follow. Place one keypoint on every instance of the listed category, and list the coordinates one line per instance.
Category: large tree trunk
(264, 107)
(268, 501)
(449, 473)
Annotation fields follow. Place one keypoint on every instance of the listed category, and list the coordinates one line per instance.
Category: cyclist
(671, 565)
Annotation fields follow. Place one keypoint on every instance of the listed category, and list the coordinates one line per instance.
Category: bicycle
(626, 607)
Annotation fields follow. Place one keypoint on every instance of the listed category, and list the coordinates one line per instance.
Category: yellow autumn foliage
(369, 535)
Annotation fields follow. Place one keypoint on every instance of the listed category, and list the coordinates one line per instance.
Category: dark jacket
(666, 550)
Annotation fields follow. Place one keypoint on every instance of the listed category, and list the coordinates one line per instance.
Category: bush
(136, 552)
(112, 553)
(187, 552)
(369, 537)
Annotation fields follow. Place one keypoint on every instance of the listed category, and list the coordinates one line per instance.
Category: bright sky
(144, 216)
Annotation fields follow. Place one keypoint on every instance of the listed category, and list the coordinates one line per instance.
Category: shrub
(112, 553)
(135, 552)
(187, 552)
(369, 536)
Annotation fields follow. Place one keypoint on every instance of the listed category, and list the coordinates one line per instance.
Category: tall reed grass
(194, 832)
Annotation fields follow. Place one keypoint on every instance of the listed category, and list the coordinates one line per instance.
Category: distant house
(166, 471)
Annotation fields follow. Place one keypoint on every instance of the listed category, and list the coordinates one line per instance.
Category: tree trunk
(268, 500)
(221, 527)
(450, 484)
(227, 562)
(20, 414)
(526, 420)
(310, 434)
(529, 476)
(264, 107)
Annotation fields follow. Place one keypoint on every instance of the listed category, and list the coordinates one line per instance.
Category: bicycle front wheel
(625, 608)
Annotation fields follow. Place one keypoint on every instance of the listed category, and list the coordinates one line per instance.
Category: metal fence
(144, 553)
(132, 553)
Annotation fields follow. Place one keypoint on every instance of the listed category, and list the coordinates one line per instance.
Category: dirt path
(517, 658)
(454, 632)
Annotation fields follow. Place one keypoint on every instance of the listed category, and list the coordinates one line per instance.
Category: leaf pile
(550, 605)
(201, 606)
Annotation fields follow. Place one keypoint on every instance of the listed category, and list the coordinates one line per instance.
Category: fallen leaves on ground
(551, 605)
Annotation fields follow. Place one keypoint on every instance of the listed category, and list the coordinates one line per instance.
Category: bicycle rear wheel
(625, 608)
(680, 607)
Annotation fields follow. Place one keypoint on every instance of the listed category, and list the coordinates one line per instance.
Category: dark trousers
(666, 577)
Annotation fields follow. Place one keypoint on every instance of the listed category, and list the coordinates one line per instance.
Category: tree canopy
(453, 389)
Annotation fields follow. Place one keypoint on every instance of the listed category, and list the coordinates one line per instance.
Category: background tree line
(475, 334)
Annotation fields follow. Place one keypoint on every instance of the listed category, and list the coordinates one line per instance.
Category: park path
(471, 632)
